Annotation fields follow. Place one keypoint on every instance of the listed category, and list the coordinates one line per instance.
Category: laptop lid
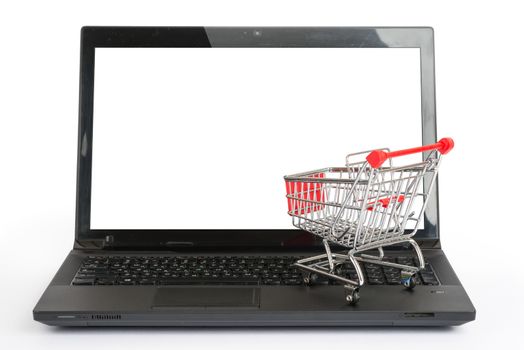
(185, 132)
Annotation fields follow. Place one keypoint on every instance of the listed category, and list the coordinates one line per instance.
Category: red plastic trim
(377, 158)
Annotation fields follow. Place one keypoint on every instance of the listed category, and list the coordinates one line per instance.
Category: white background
(201, 138)
(479, 88)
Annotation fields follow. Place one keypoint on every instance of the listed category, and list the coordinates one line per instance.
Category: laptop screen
(200, 138)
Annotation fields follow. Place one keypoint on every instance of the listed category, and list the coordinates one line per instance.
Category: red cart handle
(377, 158)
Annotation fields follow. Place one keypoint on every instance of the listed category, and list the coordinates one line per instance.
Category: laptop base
(210, 305)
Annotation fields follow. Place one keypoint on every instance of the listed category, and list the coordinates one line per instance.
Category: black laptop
(185, 134)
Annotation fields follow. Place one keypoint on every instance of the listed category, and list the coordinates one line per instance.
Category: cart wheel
(308, 279)
(352, 295)
(408, 281)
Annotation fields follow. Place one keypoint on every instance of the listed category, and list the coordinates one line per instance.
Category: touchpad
(175, 297)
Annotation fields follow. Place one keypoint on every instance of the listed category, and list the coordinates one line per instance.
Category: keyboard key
(292, 281)
(146, 281)
(272, 282)
(83, 281)
(105, 282)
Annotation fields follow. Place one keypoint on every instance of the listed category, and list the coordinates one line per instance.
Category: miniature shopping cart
(366, 205)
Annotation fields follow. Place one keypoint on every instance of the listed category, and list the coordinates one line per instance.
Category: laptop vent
(106, 317)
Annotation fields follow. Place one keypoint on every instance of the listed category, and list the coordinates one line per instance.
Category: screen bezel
(208, 37)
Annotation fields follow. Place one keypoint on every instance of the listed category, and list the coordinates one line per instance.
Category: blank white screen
(200, 138)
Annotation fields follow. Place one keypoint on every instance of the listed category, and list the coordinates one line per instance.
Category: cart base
(327, 265)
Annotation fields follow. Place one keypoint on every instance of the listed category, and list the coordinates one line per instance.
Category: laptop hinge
(108, 243)
(94, 244)
(429, 244)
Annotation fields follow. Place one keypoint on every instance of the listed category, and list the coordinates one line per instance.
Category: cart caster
(310, 278)
(352, 295)
(408, 280)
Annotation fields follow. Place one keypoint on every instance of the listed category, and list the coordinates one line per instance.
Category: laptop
(185, 134)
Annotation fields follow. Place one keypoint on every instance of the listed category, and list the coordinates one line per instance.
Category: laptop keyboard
(224, 270)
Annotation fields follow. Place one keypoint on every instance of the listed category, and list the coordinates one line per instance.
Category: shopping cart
(366, 205)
